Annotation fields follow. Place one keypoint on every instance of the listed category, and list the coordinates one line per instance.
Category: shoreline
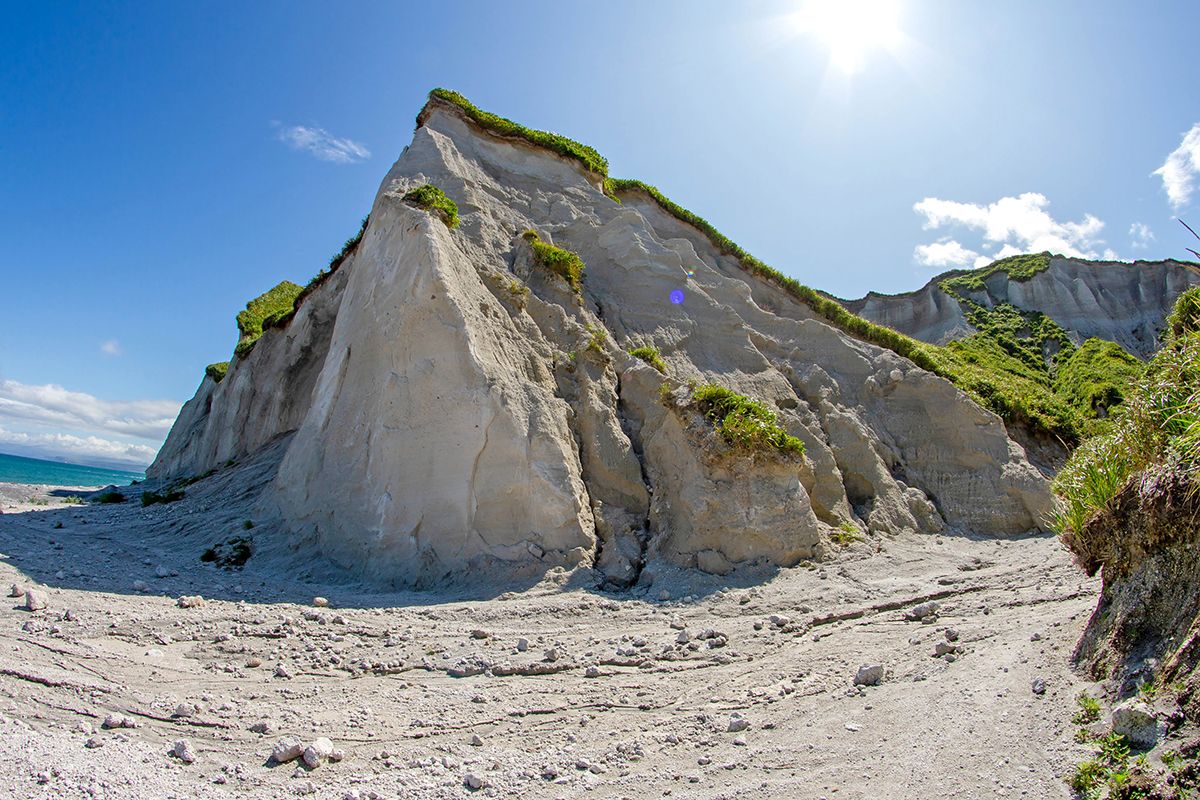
(17, 498)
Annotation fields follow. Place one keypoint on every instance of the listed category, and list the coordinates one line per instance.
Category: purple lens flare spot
(677, 296)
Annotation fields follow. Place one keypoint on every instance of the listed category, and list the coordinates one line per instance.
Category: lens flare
(677, 296)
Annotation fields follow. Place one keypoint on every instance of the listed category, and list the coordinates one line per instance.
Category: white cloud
(323, 145)
(80, 449)
(1020, 224)
(52, 405)
(111, 347)
(944, 253)
(1181, 168)
(1140, 235)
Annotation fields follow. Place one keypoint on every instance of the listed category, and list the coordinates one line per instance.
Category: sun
(851, 29)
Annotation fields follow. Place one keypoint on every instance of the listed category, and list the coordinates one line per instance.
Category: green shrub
(1089, 709)
(587, 157)
(564, 263)
(169, 496)
(232, 553)
(110, 497)
(217, 371)
(744, 423)
(845, 534)
(433, 199)
(1096, 376)
(282, 298)
(651, 356)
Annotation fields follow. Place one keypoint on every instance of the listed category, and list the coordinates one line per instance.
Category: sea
(19, 469)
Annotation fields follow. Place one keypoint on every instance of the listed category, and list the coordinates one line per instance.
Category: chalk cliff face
(452, 409)
(1122, 302)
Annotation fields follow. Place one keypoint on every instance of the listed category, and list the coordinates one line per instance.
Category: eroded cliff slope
(453, 406)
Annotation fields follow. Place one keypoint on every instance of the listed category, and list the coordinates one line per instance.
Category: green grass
(1019, 268)
(564, 263)
(587, 157)
(1110, 769)
(217, 371)
(434, 200)
(1089, 709)
(744, 423)
(282, 298)
(651, 356)
(845, 534)
(597, 339)
(1096, 376)
(1157, 425)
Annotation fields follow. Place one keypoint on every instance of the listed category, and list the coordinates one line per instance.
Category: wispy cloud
(1180, 170)
(944, 253)
(111, 347)
(1018, 224)
(51, 405)
(321, 144)
(1140, 236)
(80, 449)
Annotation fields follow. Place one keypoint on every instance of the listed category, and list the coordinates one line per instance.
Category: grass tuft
(651, 356)
(744, 423)
(564, 263)
(434, 200)
(110, 497)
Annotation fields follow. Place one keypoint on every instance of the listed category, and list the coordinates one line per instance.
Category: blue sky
(164, 162)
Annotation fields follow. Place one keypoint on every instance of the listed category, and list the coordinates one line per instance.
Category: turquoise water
(18, 469)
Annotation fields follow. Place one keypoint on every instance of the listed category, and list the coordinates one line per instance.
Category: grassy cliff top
(280, 299)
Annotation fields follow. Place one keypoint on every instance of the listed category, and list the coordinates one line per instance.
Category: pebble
(479, 633)
(182, 749)
(869, 675)
(162, 572)
(119, 721)
(320, 602)
(522, 645)
(320, 751)
(476, 741)
(282, 671)
(592, 672)
(923, 612)
(140, 586)
(16, 590)
(737, 723)
(287, 749)
(1038, 686)
(473, 782)
(190, 601)
(35, 600)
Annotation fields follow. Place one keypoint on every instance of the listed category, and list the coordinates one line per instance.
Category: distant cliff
(1121, 302)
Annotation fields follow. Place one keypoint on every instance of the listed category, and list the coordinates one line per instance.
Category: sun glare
(851, 29)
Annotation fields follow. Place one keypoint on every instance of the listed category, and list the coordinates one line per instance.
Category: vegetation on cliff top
(434, 200)
(280, 299)
(744, 423)
(1019, 268)
(217, 371)
(587, 157)
(1156, 428)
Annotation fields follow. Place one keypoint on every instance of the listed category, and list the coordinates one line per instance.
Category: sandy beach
(717, 691)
